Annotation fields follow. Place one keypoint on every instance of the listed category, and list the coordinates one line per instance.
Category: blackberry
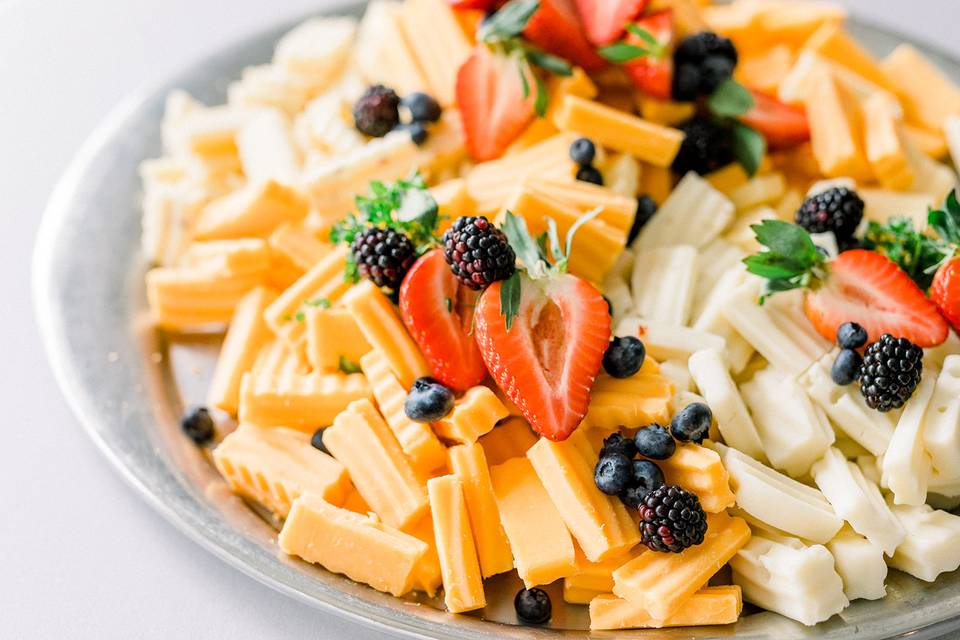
(478, 253)
(891, 372)
(839, 210)
(646, 207)
(703, 62)
(377, 111)
(591, 174)
(672, 519)
(383, 255)
(707, 146)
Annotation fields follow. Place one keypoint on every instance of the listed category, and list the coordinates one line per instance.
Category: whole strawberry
(945, 291)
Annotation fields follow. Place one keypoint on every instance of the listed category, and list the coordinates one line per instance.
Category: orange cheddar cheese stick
(298, 245)
(429, 577)
(322, 282)
(440, 55)
(275, 466)
(301, 401)
(709, 606)
(247, 333)
(616, 210)
(831, 41)
(729, 178)
(381, 326)
(637, 401)
(252, 211)
(419, 443)
(665, 112)
(885, 145)
(462, 580)
(618, 130)
(358, 546)
(541, 545)
(929, 97)
(579, 595)
(661, 583)
(835, 129)
(364, 444)
(578, 84)
(473, 415)
(469, 464)
(333, 334)
(594, 578)
(656, 182)
(600, 523)
(355, 502)
(932, 143)
(509, 439)
(699, 470)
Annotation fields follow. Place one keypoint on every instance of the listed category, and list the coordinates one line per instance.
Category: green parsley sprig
(791, 259)
(627, 51)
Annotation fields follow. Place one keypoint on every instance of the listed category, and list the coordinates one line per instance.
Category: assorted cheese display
(655, 298)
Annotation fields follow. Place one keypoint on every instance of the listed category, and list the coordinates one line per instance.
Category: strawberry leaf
(791, 260)
(623, 51)
(749, 146)
(946, 222)
(510, 299)
(551, 63)
(916, 253)
(582, 220)
(508, 22)
(515, 228)
(730, 100)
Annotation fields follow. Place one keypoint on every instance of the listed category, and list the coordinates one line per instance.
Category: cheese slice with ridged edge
(254, 210)
(305, 401)
(709, 606)
(429, 578)
(616, 210)
(907, 466)
(381, 326)
(333, 334)
(641, 399)
(541, 545)
(468, 462)
(417, 440)
(699, 470)
(661, 583)
(298, 245)
(692, 213)
(358, 546)
(509, 439)
(275, 466)
(600, 523)
(473, 415)
(462, 580)
(364, 444)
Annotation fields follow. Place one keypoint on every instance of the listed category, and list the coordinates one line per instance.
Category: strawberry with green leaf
(945, 289)
(858, 286)
(543, 332)
(646, 54)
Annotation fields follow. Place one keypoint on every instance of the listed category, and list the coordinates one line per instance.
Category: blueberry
(198, 425)
(428, 401)
(417, 130)
(533, 606)
(317, 440)
(645, 477)
(655, 442)
(616, 443)
(847, 367)
(624, 357)
(583, 151)
(692, 423)
(613, 473)
(422, 107)
(850, 335)
(590, 174)
(646, 207)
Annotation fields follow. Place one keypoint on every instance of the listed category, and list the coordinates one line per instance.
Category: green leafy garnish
(349, 366)
(946, 222)
(319, 303)
(405, 206)
(730, 100)
(510, 299)
(509, 22)
(448, 303)
(791, 261)
(749, 147)
(918, 254)
(624, 51)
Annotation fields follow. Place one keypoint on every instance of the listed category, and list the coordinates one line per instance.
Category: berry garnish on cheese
(859, 286)
(543, 332)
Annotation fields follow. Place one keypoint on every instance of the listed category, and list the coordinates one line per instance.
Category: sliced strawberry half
(782, 125)
(945, 291)
(547, 361)
(438, 313)
(492, 105)
(605, 20)
(871, 290)
(654, 76)
(482, 5)
(556, 29)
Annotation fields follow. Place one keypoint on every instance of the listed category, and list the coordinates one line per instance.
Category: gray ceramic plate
(127, 385)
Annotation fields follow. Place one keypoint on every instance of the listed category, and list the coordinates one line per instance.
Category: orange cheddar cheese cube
(473, 415)
(419, 443)
(509, 439)
(324, 281)
(699, 470)
(358, 546)
(459, 567)
(928, 96)
(381, 326)
(364, 444)
(468, 463)
(729, 178)
(661, 583)
(298, 400)
(885, 146)
(836, 130)
(637, 401)
(600, 523)
(429, 576)
(656, 182)
(617, 130)
(252, 211)
(708, 606)
(276, 466)
(247, 333)
(332, 334)
(298, 245)
(541, 545)
(579, 595)
(665, 112)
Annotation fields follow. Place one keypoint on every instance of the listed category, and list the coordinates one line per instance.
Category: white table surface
(81, 556)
